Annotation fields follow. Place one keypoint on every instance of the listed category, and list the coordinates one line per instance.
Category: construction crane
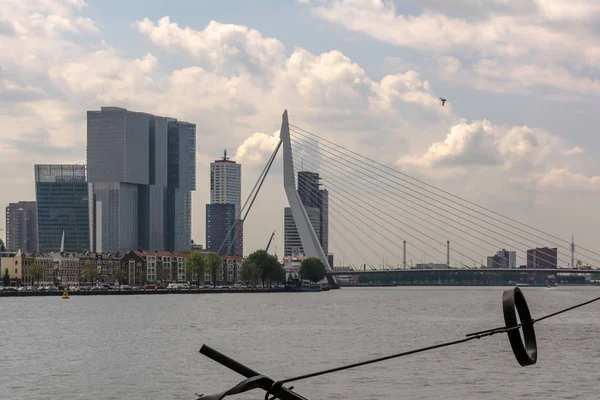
(270, 240)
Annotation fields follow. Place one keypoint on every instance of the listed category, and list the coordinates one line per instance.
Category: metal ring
(525, 351)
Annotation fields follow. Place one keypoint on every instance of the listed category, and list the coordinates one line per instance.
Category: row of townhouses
(67, 269)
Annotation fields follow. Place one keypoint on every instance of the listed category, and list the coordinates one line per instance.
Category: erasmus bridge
(382, 220)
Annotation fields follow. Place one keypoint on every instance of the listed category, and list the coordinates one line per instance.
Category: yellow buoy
(65, 295)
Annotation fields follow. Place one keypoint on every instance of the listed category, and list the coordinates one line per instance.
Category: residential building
(61, 193)
(224, 230)
(542, 257)
(147, 266)
(316, 203)
(229, 273)
(142, 171)
(13, 263)
(21, 226)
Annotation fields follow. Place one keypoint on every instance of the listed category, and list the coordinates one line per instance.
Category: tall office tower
(224, 230)
(181, 181)
(21, 226)
(61, 193)
(316, 203)
(142, 170)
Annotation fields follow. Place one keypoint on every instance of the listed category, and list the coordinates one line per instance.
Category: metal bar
(227, 362)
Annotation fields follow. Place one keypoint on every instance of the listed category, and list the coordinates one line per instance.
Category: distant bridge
(466, 270)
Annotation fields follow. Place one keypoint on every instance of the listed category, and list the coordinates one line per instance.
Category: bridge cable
(408, 233)
(409, 194)
(356, 187)
(253, 194)
(457, 197)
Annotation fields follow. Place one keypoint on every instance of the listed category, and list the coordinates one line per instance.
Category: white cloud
(565, 180)
(505, 45)
(480, 143)
(228, 47)
(256, 148)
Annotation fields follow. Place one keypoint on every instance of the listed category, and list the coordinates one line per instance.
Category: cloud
(256, 148)
(562, 179)
(500, 46)
(482, 144)
(229, 48)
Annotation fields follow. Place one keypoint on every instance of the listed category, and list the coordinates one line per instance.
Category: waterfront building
(542, 257)
(61, 193)
(224, 229)
(21, 226)
(229, 273)
(142, 171)
(13, 263)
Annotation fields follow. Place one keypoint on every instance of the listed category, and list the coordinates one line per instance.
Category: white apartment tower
(226, 183)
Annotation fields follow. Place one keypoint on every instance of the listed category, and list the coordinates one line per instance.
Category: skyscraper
(61, 193)
(142, 169)
(316, 203)
(21, 226)
(224, 230)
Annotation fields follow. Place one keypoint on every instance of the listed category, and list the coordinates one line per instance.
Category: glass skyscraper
(142, 169)
(61, 193)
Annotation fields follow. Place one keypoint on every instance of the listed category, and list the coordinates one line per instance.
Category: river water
(146, 347)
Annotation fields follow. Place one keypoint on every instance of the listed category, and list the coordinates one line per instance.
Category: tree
(36, 271)
(214, 262)
(143, 277)
(2, 248)
(195, 264)
(6, 277)
(312, 269)
(267, 266)
(250, 273)
(90, 271)
(119, 274)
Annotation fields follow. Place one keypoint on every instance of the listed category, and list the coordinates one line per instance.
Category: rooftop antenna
(225, 155)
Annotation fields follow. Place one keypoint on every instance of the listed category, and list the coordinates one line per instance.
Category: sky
(518, 133)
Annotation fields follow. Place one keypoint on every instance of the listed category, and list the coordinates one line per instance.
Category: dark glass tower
(224, 233)
(61, 193)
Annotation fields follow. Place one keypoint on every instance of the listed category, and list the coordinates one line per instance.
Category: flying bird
(443, 101)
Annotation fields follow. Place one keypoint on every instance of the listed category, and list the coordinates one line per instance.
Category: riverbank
(157, 292)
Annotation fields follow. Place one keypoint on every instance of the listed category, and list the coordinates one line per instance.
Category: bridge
(369, 214)
(481, 270)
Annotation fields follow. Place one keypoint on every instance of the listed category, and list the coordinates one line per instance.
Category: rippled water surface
(146, 347)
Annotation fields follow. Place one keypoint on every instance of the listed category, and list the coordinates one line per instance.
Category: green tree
(214, 263)
(143, 277)
(195, 264)
(250, 273)
(312, 269)
(6, 278)
(90, 271)
(267, 266)
(36, 271)
(119, 274)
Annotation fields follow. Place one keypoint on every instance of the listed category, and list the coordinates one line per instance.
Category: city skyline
(514, 134)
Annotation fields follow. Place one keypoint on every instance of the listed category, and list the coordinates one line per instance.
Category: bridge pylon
(310, 242)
